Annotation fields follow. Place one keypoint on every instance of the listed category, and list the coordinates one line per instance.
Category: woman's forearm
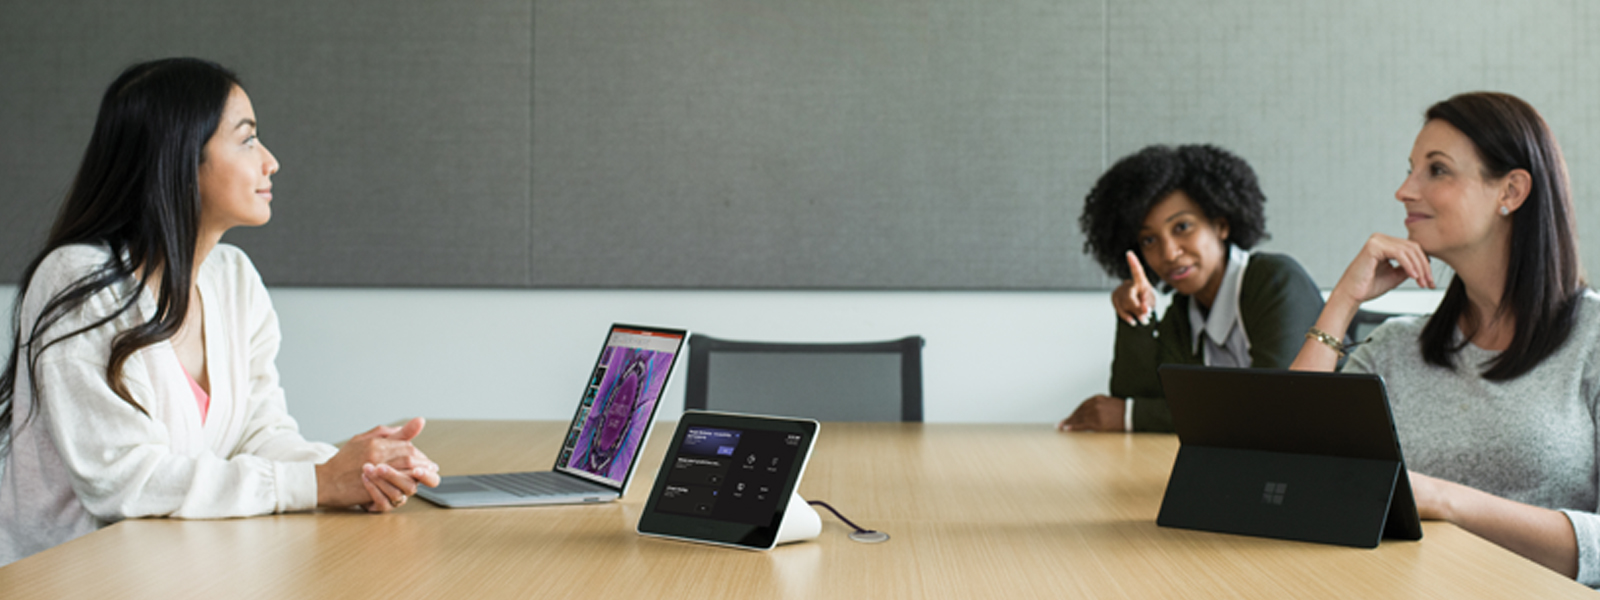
(1334, 320)
(1539, 534)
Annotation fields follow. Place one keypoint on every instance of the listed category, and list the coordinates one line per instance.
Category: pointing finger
(1137, 268)
(1143, 293)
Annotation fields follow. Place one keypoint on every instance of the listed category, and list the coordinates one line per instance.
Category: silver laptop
(605, 439)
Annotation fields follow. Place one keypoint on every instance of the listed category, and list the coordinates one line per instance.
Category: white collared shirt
(1222, 331)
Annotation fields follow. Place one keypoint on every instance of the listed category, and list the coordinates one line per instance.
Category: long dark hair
(137, 195)
(1543, 278)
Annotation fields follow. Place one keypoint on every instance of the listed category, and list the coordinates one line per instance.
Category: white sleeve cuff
(297, 486)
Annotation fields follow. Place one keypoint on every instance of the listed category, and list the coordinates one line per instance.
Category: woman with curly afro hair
(1186, 217)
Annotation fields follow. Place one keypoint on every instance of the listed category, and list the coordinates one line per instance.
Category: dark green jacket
(1278, 303)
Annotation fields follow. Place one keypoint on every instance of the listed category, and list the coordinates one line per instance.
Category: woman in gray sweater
(1494, 394)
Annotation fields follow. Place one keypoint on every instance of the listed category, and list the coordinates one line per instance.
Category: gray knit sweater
(1532, 439)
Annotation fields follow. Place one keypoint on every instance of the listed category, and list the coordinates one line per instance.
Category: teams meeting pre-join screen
(730, 474)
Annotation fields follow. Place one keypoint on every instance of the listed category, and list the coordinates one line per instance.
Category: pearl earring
(1505, 212)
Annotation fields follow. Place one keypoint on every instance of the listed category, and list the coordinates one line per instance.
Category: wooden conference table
(975, 511)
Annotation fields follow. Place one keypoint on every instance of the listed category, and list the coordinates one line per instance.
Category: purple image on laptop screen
(617, 422)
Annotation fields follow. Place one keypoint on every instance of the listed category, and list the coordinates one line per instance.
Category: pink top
(200, 395)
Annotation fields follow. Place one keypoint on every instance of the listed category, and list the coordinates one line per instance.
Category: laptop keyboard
(544, 483)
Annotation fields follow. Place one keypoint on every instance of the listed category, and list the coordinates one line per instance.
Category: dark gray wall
(835, 143)
(900, 144)
(402, 127)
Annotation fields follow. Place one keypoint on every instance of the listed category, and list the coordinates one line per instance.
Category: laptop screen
(618, 403)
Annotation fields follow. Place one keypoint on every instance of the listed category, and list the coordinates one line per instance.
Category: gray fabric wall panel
(46, 113)
(900, 144)
(402, 127)
(405, 147)
(727, 143)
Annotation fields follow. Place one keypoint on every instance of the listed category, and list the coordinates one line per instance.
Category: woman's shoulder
(1274, 278)
(1401, 326)
(1590, 299)
(68, 266)
(72, 260)
(229, 254)
(65, 266)
(1271, 264)
(232, 264)
(1392, 345)
(1398, 333)
(1588, 316)
(1585, 335)
(229, 272)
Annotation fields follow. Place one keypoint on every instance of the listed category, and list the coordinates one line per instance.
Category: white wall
(353, 358)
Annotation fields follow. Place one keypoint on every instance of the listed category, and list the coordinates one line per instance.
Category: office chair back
(866, 381)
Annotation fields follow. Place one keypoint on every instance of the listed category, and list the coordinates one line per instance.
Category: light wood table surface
(975, 511)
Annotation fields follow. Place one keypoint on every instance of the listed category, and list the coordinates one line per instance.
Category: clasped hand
(376, 470)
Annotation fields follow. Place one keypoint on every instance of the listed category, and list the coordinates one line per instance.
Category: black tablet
(727, 479)
(1287, 454)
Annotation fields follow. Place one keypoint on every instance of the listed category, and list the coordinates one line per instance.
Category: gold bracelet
(1330, 341)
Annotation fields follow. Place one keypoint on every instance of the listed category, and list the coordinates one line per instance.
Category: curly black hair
(1220, 182)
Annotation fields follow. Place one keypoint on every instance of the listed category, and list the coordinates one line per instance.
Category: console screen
(730, 474)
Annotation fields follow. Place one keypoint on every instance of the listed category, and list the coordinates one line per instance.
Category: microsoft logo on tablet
(1274, 493)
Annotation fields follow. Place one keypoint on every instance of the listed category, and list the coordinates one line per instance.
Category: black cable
(860, 534)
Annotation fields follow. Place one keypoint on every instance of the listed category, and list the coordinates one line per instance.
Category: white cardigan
(88, 459)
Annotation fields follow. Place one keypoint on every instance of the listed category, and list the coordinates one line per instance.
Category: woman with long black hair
(1495, 394)
(141, 379)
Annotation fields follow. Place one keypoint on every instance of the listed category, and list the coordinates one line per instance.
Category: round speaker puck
(869, 537)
